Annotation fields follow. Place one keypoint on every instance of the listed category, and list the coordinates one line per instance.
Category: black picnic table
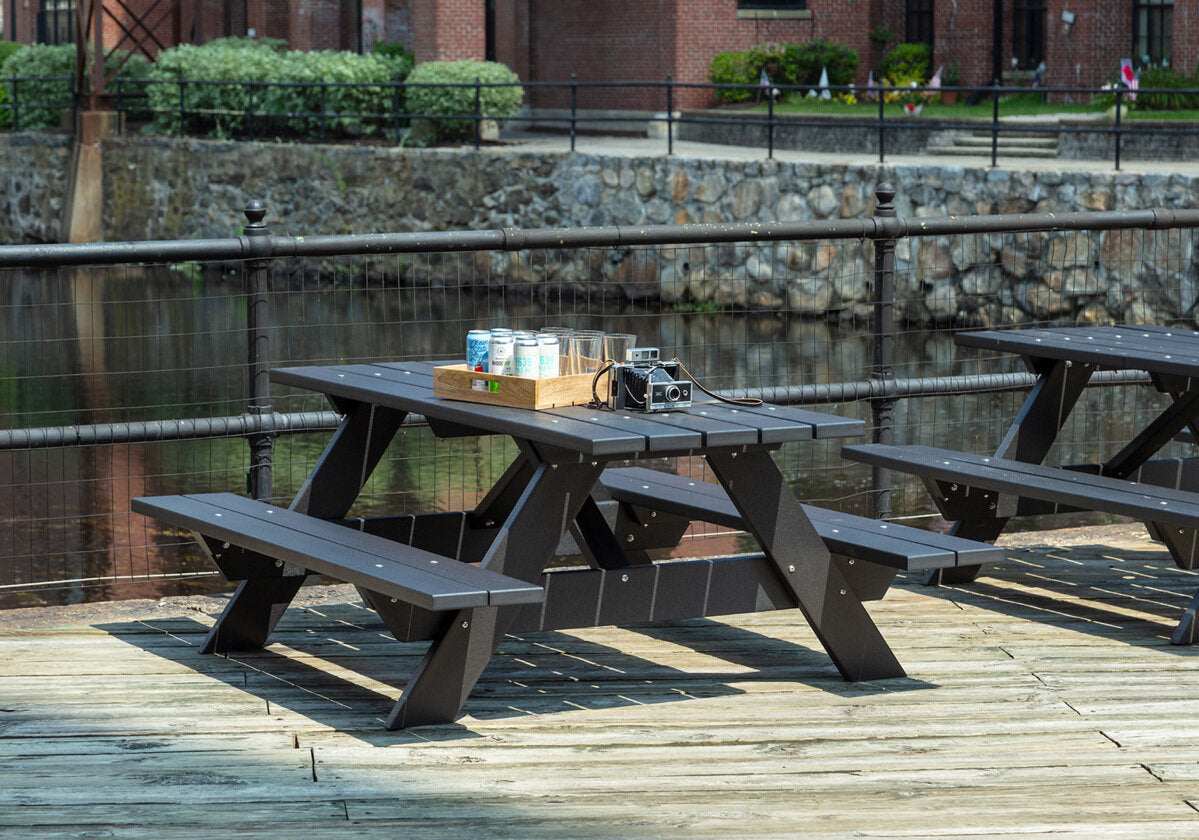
(463, 579)
(982, 493)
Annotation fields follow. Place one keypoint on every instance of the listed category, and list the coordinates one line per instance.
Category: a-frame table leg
(524, 545)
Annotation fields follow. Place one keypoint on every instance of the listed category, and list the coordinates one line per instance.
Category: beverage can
(547, 362)
(500, 354)
(527, 358)
(477, 347)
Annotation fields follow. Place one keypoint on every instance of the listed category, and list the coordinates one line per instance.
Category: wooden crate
(455, 382)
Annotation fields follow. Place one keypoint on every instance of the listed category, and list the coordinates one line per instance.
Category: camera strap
(748, 402)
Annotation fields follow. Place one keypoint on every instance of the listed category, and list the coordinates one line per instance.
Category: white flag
(824, 92)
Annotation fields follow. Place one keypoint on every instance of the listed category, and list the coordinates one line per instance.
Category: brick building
(1080, 41)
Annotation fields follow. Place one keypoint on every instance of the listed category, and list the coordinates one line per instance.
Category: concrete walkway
(637, 147)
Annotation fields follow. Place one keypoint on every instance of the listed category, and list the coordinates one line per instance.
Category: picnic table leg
(776, 519)
(1184, 634)
(524, 545)
(335, 482)
(1059, 385)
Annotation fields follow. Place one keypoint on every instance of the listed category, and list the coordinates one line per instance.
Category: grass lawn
(1010, 106)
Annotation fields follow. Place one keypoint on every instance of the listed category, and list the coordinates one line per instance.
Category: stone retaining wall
(159, 188)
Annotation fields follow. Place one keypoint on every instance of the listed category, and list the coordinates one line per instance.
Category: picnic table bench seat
(1019, 488)
(846, 535)
(248, 538)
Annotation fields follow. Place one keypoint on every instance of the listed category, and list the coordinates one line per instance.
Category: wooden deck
(1043, 701)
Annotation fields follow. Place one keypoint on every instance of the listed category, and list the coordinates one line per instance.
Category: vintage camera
(646, 383)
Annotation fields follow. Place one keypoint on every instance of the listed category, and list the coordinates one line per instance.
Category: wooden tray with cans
(457, 382)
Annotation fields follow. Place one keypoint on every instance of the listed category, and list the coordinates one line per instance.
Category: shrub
(906, 61)
(40, 61)
(7, 49)
(401, 58)
(494, 102)
(780, 61)
(214, 81)
(815, 56)
(1168, 80)
(732, 68)
(55, 67)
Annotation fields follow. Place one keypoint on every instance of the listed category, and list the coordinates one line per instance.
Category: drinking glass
(586, 351)
(616, 346)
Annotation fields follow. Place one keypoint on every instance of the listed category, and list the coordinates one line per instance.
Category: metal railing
(144, 378)
(391, 122)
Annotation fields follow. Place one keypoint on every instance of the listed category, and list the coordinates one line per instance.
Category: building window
(1152, 31)
(769, 9)
(773, 5)
(56, 22)
(918, 23)
(1028, 33)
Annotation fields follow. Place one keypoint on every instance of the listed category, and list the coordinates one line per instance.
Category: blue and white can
(547, 360)
(527, 358)
(477, 351)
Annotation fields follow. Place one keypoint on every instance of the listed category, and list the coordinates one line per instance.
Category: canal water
(133, 345)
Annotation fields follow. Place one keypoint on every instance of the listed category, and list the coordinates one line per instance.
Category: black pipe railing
(258, 247)
(246, 119)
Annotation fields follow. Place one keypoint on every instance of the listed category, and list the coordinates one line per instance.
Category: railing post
(770, 123)
(396, 106)
(995, 124)
(261, 440)
(250, 109)
(574, 108)
(324, 88)
(478, 114)
(1118, 129)
(669, 114)
(882, 123)
(882, 373)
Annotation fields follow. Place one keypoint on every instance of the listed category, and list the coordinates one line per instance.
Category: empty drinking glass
(616, 346)
(586, 351)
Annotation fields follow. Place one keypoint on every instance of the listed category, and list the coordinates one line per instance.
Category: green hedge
(221, 109)
(57, 65)
(494, 102)
(907, 62)
(785, 64)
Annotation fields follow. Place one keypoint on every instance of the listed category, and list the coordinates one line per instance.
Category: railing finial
(885, 193)
(255, 211)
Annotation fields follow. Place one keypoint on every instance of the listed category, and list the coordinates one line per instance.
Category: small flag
(1126, 74)
(824, 91)
(935, 81)
(763, 80)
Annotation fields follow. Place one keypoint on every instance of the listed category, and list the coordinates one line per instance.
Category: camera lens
(673, 393)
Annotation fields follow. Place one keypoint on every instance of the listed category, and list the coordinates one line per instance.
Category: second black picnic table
(981, 493)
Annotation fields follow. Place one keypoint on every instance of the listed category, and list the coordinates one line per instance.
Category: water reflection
(105, 346)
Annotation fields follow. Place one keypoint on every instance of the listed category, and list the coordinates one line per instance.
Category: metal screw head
(629, 538)
(842, 591)
(624, 578)
(465, 625)
(653, 514)
(851, 561)
(224, 545)
(791, 568)
(279, 564)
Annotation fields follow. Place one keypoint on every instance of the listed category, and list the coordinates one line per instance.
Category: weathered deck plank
(1044, 701)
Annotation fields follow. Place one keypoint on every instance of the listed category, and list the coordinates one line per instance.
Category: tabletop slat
(1157, 350)
(409, 386)
(372, 384)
